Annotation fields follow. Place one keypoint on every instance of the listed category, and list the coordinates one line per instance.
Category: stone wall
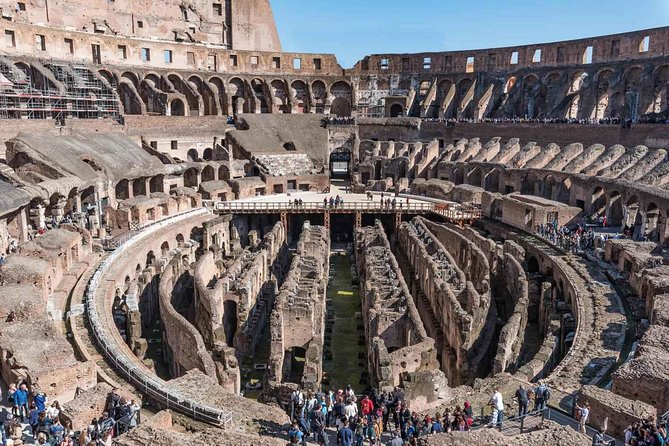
(298, 317)
(396, 338)
(452, 307)
(617, 411)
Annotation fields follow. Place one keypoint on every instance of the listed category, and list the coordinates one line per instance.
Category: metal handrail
(125, 365)
(321, 207)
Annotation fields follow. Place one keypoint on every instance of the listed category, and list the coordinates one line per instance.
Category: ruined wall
(619, 411)
(446, 296)
(183, 345)
(396, 338)
(239, 25)
(513, 333)
(298, 317)
(233, 301)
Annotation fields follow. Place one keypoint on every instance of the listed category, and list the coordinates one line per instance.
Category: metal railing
(127, 366)
(319, 207)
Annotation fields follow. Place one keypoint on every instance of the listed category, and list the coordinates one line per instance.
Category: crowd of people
(647, 433)
(32, 413)
(333, 202)
(575, 240)
(370, 417)
(339, 120)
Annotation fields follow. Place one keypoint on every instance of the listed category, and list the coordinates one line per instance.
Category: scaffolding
(84, 96)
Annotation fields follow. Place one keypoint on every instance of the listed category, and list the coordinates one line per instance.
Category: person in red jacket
(367, 407)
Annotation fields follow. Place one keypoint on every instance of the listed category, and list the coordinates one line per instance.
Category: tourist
(583, 413)
(295, 434)
(21, 402)
(523, 400)
(367, 407)
(318, 426)
(33, 418)
(541, 396)
(396, 441)
(350, 410)
(10, 398)
(345, 435)
(436, 427)
(598, 438)
(497, 403)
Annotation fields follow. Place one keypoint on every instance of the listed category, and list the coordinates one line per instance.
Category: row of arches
(641, 214)
(171, 94)
(626, 93)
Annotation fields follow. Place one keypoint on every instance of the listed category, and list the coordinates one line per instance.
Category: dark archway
(396, 111)
(340, 163)
(177, 108)
(230, 321)
(341, 107)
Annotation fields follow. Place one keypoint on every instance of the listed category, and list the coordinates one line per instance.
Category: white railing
(126, 366)
(318, 207)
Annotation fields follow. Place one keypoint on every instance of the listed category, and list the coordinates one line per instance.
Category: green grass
(344, 300)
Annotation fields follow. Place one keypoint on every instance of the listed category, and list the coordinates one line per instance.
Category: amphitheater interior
(208, 224)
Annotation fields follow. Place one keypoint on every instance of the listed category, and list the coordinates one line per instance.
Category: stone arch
(465, 95)
(150, 259)
(320, 94)
(132, 77)
(164, 248)
(180, 239)
(396, 110)
(474, 176)
(603, 81)
(549, 187)
(631, 210)
(615, 209)
(533, 265)
(223, 172)
(300, 94)
(208, 174)
(236, 92)
(632, 79)
(281, 100)
(208, 154)
(210, 103)
(528, 184)
(660, 90)
(598, 202)
(510, 83)
(651, 222)
(221, 98)
(459, 174)
(156, 184)
(193, 155)
(341, 107)
(185, 89)
(177, 107)
(191, 178)
(122, 190)
(531, 87)
(258, 89)
(492, 180)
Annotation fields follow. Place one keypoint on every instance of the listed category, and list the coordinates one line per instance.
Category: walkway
(313, 203)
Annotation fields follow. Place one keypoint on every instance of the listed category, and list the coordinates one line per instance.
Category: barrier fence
(151, 386)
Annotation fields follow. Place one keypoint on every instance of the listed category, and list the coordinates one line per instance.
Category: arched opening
(164, 249)
(320, 94)
(121, 190)
(616, 213)
(208, 154)
(340, 163)
(230, 321)
(528, 184)
(533, 265)
(192, 155)
(156, 184)
(396, 110)
(598, 200)
(651, 224)
(208, 174)
(180, 239)
(492, 181)
(150, 259)
(177, 108)
(293, 365)
(563, 192)
(341, 107)
(190, 178)
(235, 91)
(509, 84)
(223, 173)
(300, 96)
(459, 175)
(474, 177)
(138, 187)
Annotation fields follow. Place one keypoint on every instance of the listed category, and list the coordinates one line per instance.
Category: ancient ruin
(210, 226)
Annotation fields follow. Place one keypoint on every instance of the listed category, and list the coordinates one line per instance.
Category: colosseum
(206, 240)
